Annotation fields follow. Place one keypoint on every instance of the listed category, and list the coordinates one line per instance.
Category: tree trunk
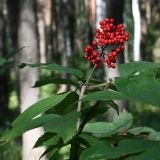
(115, 9)
(66, 30)
(100, 11)
(148, 11)
(66, 55)
(137, 30)
(4, 95)
(54, 30)
(27, 36)
(41, 5)
(48, 12)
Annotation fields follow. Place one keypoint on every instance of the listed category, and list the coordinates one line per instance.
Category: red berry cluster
(109, 36)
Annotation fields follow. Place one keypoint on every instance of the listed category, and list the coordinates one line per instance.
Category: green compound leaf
(129, 69)
(121, 122)
(55, 67)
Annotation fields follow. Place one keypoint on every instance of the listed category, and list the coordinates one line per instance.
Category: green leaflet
(129, 69)
(104, 151)
(55, 67)
(123, 121)
(104, 95)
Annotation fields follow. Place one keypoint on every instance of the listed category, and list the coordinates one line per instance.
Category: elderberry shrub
(109, 43)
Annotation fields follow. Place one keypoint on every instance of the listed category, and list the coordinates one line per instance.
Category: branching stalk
(82, 91)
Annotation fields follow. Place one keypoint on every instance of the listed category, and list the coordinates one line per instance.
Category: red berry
(114, 53)
(126, 34)
(111, 25)
(109, 55)
(107, 61)
(98, 59)
(101, 23)
(118, 50)
(120, 25)
(97, 30)
(123, 47)
(100, 53)
(107, 20)
(113, 65)
(106, 41)
(126, 39)
(98, 66)
(94, 53)
(94, 43)
(89, 48)
(93, 61)
(121, 41)
(112, 20)
(108, 29)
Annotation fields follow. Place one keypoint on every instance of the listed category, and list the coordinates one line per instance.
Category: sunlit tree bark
(137, 30)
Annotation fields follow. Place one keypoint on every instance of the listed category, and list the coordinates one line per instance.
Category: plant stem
(74, 150)
(82, 91)
(99, 85)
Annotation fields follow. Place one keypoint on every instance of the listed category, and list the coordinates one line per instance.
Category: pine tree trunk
(27, 36)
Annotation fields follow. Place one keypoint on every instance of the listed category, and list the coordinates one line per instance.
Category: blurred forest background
(57, 31)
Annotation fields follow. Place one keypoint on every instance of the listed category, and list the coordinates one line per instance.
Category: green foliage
(4, 63)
